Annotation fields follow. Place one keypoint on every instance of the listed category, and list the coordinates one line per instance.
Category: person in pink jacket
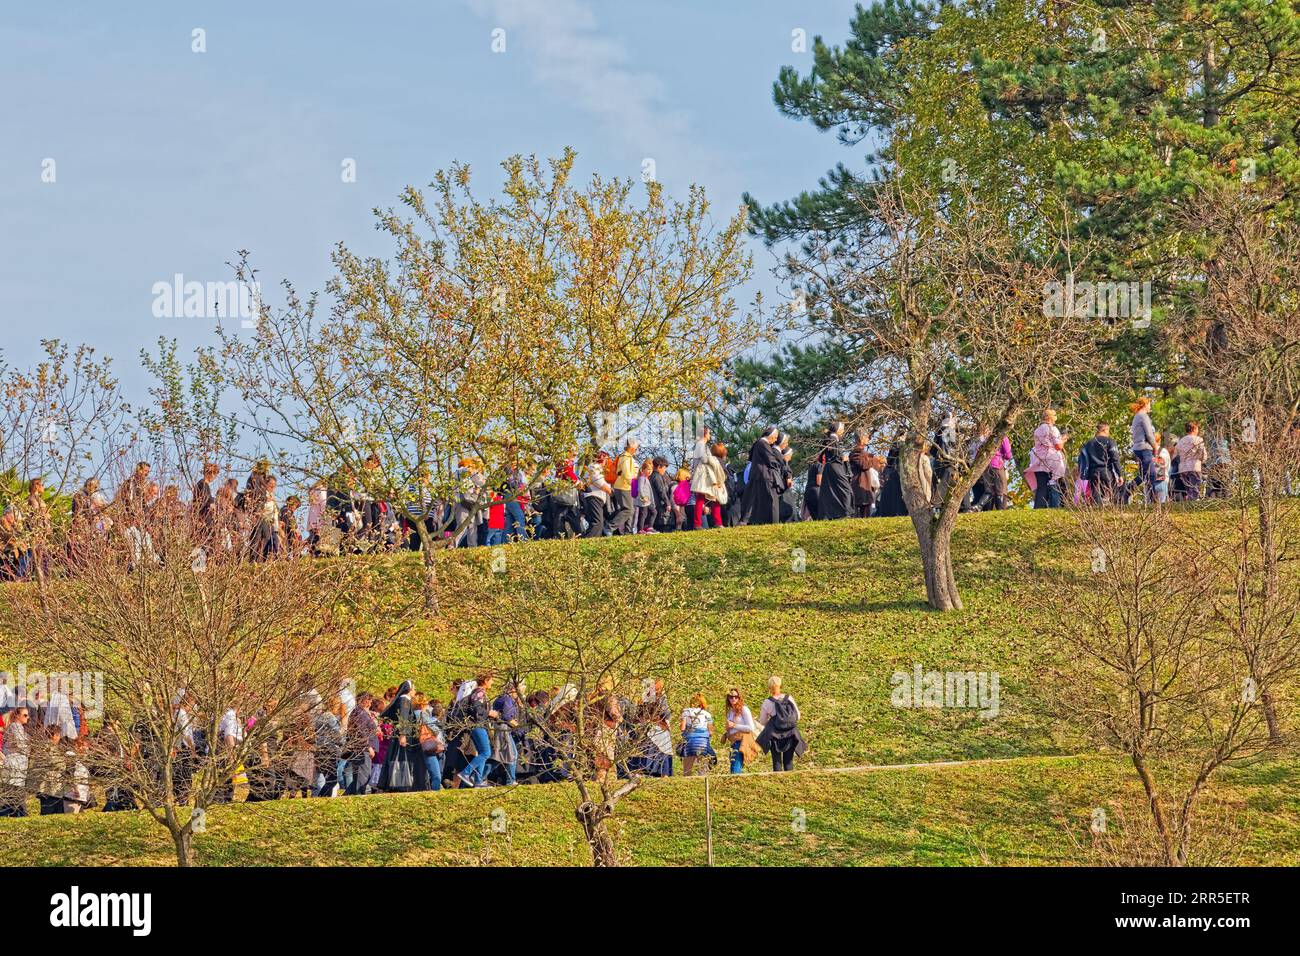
(1047, 462)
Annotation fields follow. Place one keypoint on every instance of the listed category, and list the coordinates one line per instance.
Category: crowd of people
(614, 494)
(403, 740)
(397, 741)
(1168, 467)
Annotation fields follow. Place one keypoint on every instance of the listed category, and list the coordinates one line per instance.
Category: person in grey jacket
(1143, 435)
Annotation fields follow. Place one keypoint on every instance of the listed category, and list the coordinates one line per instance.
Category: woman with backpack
(476, 712)
(780, 737)
(697, 728)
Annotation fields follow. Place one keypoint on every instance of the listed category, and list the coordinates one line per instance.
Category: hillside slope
(836, 609)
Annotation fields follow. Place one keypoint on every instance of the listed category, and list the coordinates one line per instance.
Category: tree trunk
(933, 534)
(429, 573)
(184, 841)
(935, 539)
(592, 816)
(1272, 577)
(1270, 717)
(1157, 811)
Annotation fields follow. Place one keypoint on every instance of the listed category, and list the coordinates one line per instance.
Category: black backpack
(783, 719)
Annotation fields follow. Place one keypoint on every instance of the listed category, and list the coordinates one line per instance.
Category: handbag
(430, 743)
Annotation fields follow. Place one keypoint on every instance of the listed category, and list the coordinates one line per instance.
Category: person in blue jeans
(1145, 445)
(430, 715)
(739, 722)
(477, 713)
(516, 522)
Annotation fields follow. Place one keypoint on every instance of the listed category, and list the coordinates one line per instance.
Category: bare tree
(203, 665)
(600, 638)
(1240, 335)
(1153, 665)
(64, 419)
(184, 420)
(954, 319)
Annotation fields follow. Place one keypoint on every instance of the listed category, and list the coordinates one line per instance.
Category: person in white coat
(709, 483)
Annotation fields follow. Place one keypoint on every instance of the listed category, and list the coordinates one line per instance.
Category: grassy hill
(836, 631)
(836, 609)
(1032, 811)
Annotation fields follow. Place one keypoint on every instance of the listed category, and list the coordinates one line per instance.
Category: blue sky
(168, 161)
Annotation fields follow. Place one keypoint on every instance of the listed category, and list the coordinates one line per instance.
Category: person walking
(865, 478)
(1191, 454)
(625, 471)
(1143, 435)
(432, 738)
(404, 767)
(476, 712)
(1160, 471)
(13, 763)
(1047, 462)
(709, 484)
(1101, 466)
(834, 487)
(596, 497)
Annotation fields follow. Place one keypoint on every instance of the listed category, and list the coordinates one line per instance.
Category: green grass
(836, 631)
(1021, 812)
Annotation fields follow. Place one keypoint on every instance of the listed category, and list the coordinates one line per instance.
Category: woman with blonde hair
(780, 737)
(1047, 462)
(681, 498)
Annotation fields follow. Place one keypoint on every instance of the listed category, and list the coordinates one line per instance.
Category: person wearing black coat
(203, 500)
(663, 495)
(890, 504)
(1102, 466)
(834, 486)
(761, 504)
(404, 767)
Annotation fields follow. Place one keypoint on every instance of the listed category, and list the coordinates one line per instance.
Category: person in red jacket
(496, 521)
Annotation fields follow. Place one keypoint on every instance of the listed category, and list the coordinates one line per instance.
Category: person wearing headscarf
(761, 502)
(834, 487)
(890, 502)
(404, 767)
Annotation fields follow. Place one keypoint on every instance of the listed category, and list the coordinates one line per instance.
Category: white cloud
(567, 54)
